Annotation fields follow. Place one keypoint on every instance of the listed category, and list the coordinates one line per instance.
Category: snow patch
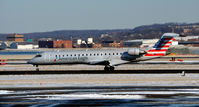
(87, 96)
(5, 92)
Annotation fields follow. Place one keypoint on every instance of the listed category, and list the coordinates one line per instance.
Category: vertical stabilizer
(162, 45)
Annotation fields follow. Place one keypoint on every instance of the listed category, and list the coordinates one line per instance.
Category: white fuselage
(84, 57)
(77, 56)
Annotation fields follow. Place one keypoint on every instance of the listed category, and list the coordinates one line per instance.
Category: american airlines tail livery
(109, 57)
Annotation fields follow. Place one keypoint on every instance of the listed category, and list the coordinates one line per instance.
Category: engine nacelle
(135, 51)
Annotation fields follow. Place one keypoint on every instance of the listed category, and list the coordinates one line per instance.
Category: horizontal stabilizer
(169, 62)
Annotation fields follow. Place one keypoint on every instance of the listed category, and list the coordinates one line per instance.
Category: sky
(26, 16)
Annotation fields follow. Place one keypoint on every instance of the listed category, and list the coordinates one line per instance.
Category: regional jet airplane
(109, 57)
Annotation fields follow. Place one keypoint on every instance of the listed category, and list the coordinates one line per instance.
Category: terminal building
(140, 43)
(188, 40)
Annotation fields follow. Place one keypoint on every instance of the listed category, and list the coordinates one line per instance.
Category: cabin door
(47, 58)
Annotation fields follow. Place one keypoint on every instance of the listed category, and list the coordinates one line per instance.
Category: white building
(187, 38)
(148, 42)
(15, 45)
(28, 46)
(79, 41)
(90, 40)
(140, 43)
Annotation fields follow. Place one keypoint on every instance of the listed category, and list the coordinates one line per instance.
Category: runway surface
(96, 88)
(71, 80)
(80, 67)
(101, 96)
(99, 72)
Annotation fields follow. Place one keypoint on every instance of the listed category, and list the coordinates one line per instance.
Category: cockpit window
(38, 56)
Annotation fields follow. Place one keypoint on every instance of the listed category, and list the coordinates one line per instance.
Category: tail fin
(162, 45)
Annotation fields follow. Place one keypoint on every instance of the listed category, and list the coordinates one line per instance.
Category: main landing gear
(37, 67)
(109, 68)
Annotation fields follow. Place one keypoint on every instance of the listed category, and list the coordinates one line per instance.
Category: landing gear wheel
(37, 68)
(111, 68)
(106, 68)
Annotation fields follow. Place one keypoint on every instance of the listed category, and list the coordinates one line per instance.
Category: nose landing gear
(37, 67)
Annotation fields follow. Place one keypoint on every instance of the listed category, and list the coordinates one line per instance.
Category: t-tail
(162, 45)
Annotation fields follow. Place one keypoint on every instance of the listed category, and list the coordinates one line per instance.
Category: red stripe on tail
(166, 46)
(169, 39)
(162, 50)
(167, 42)
(156, 54)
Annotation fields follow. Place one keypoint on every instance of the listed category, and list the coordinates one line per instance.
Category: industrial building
(15, 37)
(106, 43)
(97, 45)
(62, 44)
(45, 43)
(116, 44)
(49, 43)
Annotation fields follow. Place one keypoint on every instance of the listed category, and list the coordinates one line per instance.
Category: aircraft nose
(31, 61)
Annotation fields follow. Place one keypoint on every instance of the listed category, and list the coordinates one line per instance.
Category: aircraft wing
(117, 62)
(112, 62)
(98, 62)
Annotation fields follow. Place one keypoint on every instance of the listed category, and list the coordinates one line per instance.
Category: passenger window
(86, 54)
(93, 54)
(90, 54)
(97, 54)
(82, 54)
(105, 54)
(75, 55)
(78, 54)
(109, 53)
(113, 54)
(71, 55)
(101, 54)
